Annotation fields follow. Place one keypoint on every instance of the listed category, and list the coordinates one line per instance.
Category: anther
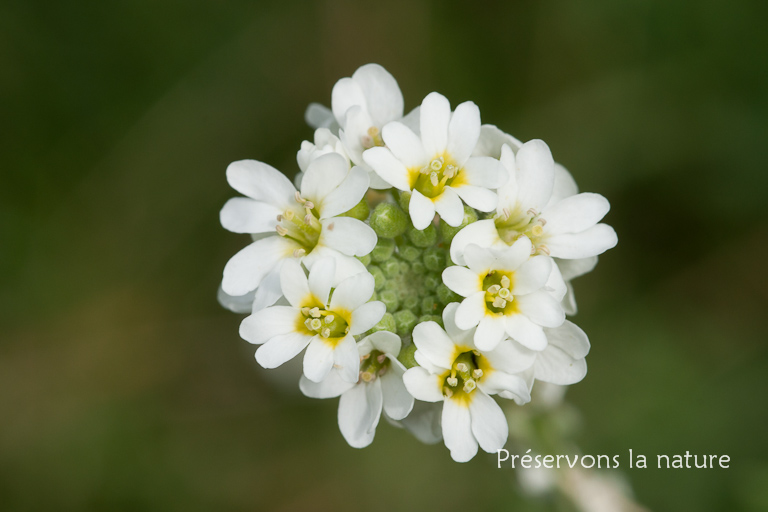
(462, 367)
(314, 312)
(381, 358)
(298, 198)
(494, 289)
(305, 311)
(298, 253)
(366, 376)
(452, 381)
(281, 230)
(279, 218)
(308, 205)
(436, 164)
(433, 178)
(531, 211)
(329, 319)
(366, 356)
(504, 293)
(448, 392)
(544, 249)
(346, 331)
(477, 373)
(500, 303)
(325, 333)
(373, 131)
(288, 214)
(315, 324)
(537, 230)
(469, 386)
(308, 219)
(505, 282)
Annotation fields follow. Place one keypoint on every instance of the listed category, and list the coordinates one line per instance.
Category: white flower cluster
(424, 256)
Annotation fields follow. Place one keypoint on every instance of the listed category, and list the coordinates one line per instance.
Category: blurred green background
(123, 384)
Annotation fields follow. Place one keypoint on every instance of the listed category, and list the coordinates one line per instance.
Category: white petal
(236, 303)
(535, 174)
(381, 92)
(459, 336)
(513, 256)
(479, 260)
(526, 332)
(569, 300)
(433, 343)
(565, 185)
(346, 93)
(482, 233)
(359, 413)
(463, 131)
(353, 292)
(346, 196)
(398, 402)
(434, 119)
(245, 270)
(323, 175)
(571, 269)
(532, 275)
(388, 167)
(508, 192)
(490, 332)
(268, 323)
(320, 279)
(404, 144)
(346, 359)
(348, 236)
(507, 385)
(555, 366)
(261, 182)
(511, 357)
(280, 349)
(448, 205)
(555, 284)
(462, 280)
(576, 213)
(244, 215)
(457, 430)
(541, 308)
(366, 316)
(492, 139)
(570, 338)
(489, 425)
(484, 171)
(355, 131)
(422, 210)
(346, 266)
(294, 284)
(423, 385)
(423, 422)
(319, 116)
(412, 119)
(478, 198)
(595, 240)
(471, 311)
(386, 342)
(332, 386)
(318, 360)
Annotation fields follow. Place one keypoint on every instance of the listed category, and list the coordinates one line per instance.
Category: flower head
(436, 167)
(506, 294)
(455, 372)
(322, 322)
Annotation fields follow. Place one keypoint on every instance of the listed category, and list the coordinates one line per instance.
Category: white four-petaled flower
(325, 323)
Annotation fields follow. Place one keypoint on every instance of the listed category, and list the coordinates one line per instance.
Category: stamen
(308, 205)
(504, 293)
(373, 131)
(531, 211)
(494, 289)
(346, 331)
(279, 218)
(308, 219)
(505, 282)
(325, 333)
(288, 214)
(298, 198)
(308, 324)
(298, 253)
(500, 303)
(315, 324)
(469, 386)
(366, 376)
(305, 311)
(543, 222)
(433, 178)
(381, 358)
(452, 381)
(477, 373)
(448, 392)
(436, 164)
(329, 319)
(476, 352)
(544, 249)
(462, 367)
(366, 356)
(314, 312)
(537, 230)
(281, 230)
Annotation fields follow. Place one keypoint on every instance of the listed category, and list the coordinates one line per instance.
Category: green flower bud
(378, 277)
(360, 211)
(434, 259)
(411, 302)
(389, 298)
(432, 281)
(365, 260)
(388, 220)
(431, 318)
(384, 249)
(409, 252)
(448, 232)
(405, 201)
(423, 238)
(405, 321)
(391, 268)
(419, 268)
(429, 305)
(406, 356)
(446, 296)
(387, 323)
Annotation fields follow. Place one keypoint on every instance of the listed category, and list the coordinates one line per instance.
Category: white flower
(379, 388)
(360, 107)
(455, 372)
(540, 201)
(288, 224)
(325, 323)
(324, 142)
(436, 166)
(562, 361)
(506, 294)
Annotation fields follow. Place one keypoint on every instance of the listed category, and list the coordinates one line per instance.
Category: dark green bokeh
(126, 387)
